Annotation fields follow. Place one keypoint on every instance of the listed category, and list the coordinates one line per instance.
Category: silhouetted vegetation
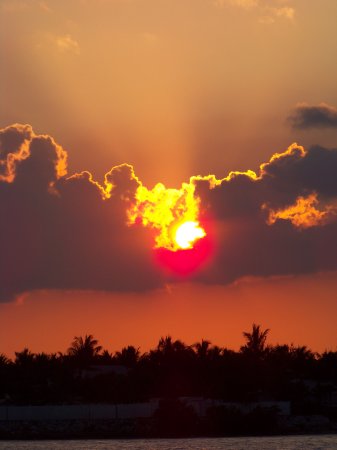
(88, 373)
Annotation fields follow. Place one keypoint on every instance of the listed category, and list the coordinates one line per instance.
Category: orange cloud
(165, 210)
(303, 213)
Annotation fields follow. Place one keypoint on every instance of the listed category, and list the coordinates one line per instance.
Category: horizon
(101, 351)
(167, 306)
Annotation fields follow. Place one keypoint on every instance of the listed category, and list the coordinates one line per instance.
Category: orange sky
(176, 88)
(300, 310)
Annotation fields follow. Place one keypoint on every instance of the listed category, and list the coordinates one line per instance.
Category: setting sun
(187, 233)
(172, 213)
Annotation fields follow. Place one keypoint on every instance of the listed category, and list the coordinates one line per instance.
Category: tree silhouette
(25, 357)
(302, 358)
(172, 351)
(167, 345)
(215, 352)
(4, 361)
(128, 356)
(255, 341)
(106, 357)
(202, 348)
(172, 370)
(84, 350)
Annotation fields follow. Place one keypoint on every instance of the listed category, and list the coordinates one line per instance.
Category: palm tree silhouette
(106, 357)
(255, 341)
(202, 348)
(84, 350)
(25, 357)
(165, 344)
(128, 356)
(168, 347)
(4, 361)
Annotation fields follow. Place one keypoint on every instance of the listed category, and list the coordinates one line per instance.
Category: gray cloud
(247, 245)
(58, 232)
(316, 116)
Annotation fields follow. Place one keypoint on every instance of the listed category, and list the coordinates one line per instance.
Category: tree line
(88, 373)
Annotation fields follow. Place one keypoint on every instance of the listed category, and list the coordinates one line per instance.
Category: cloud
(67, 43)
(246, 4)
(270, 14)
(267, 13)
(286, 11)
(44, 6)
(258, 219)
(24, 154)
(67, 231)
(303, 213)
(320, 116)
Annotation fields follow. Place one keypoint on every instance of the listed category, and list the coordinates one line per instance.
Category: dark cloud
(69, 232)
(13, 145)
(59, 232)
(319, 116)
(248, 244)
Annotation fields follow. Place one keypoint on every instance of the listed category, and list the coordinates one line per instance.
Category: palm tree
(167, 346)
(4, 361)
(84, 350)
(215, 352)
(45, 358)
(128, 356)
(302, 353)
(168, 350)
(202, 348)
(302, 358)
(26, 357)
(106, 357)
(255, 341)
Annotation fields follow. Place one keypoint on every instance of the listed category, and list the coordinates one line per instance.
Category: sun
(187, 233)
(172, 214)
(191, 248)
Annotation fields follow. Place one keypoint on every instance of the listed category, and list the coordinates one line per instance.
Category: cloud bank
(61, 231)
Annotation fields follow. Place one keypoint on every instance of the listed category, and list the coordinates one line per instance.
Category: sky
(101, 101)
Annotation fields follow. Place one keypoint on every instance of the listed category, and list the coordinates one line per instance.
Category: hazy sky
(176, 88)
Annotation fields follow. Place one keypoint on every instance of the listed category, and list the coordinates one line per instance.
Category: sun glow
(172, 213)
(182, 245)
(187, 233)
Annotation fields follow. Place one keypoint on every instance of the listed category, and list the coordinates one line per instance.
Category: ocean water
(318, 442)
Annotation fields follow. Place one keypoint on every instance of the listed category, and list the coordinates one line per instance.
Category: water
(318, 442)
